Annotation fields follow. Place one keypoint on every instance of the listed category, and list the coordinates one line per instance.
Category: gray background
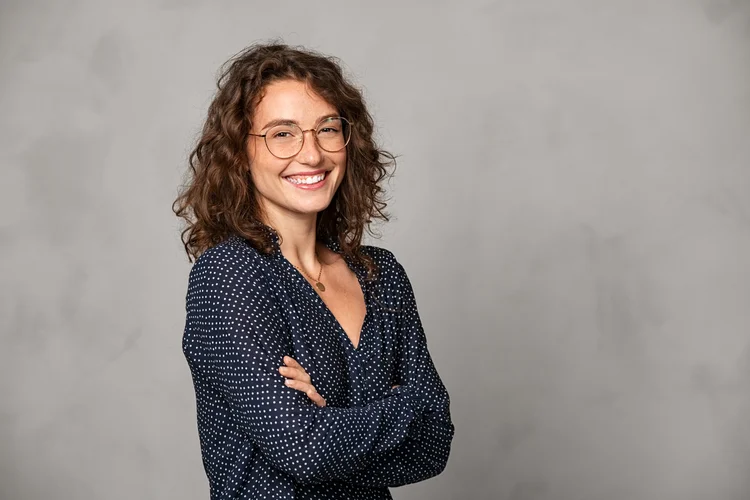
(571, 204)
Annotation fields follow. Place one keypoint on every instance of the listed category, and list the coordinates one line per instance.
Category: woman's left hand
(297, 378)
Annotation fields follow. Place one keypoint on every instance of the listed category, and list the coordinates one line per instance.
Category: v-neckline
(321, 302)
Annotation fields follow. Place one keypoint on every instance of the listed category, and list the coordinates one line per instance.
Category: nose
(310, 152)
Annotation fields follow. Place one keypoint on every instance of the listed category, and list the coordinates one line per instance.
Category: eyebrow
(286, 121)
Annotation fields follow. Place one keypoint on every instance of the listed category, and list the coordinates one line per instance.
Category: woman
(309, 361)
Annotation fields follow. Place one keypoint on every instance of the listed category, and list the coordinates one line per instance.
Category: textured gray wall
(572, 204)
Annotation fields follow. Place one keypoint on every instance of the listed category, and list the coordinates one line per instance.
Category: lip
(310, 187)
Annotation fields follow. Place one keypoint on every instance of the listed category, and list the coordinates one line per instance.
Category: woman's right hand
(298, 379)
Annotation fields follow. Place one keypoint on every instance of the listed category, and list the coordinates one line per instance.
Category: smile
(307, 182)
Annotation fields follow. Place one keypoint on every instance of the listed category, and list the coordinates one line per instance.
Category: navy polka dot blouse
(261, 439)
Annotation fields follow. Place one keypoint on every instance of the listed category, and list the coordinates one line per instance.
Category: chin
(312, 209)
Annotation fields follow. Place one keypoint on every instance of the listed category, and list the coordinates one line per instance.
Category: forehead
(292, 100)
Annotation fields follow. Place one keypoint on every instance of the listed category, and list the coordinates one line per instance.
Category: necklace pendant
(320, 286)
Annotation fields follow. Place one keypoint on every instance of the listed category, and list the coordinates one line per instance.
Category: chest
(342, 339)
(345, 301)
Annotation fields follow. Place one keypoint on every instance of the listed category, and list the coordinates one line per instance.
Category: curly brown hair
(219, 200)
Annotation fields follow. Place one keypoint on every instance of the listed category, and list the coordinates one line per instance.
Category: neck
(298, 240)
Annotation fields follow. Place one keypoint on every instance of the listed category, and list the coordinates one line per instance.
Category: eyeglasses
(286, 140)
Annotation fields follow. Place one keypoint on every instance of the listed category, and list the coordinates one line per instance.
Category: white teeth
(307, 180)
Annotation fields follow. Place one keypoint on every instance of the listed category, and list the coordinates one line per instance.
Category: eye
(282, 133)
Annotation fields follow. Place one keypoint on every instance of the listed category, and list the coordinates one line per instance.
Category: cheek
(265, 176)
(344, 167)
(341, 162)
(265, 167)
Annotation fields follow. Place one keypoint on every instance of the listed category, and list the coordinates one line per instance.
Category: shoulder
(384, 259)
(226, 269)
(391, 273)
(231, 256)
(229, 301)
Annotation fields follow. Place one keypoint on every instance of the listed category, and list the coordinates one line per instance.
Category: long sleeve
(235, 339)
(424, 453)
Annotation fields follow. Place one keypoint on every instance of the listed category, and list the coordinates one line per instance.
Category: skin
(290, 210)
(297, 378)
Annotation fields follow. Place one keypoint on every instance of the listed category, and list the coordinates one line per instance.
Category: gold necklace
(320, 286)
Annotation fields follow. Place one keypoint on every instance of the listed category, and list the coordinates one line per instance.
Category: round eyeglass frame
(302, 142)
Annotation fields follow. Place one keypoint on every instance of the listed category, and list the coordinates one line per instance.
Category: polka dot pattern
(259, 438)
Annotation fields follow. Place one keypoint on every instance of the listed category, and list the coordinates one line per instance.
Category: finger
(289, 361)
(308, 389)
(316, 397)
(295, 373)
(394, 387)
(292, 363)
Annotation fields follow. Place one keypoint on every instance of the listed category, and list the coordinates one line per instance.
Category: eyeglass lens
(286, 140)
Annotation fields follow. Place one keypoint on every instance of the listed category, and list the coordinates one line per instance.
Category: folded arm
(424, 453)
(235, 336)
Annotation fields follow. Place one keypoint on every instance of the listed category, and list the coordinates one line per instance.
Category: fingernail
(288, 381)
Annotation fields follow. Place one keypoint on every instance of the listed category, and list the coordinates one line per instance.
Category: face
(274, 178)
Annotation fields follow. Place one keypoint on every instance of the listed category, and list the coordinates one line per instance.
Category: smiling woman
(307, 354)
(287, 160)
